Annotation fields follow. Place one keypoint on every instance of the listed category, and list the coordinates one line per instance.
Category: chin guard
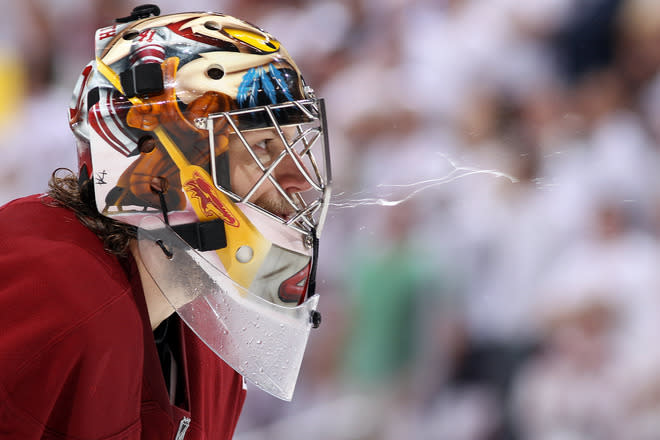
(261, 340)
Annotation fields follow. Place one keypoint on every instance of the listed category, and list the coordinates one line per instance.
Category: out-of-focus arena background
(484, 306)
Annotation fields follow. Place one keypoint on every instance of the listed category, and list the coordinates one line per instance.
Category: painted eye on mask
(258, 41)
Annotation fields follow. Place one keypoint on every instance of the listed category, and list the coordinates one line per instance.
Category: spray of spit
(409, 190)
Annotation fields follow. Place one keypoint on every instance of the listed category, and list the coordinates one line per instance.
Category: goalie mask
(198, 129)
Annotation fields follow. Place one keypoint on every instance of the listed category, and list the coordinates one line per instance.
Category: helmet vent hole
(212, 26)
(146, 144)
(159, 185)
(130, 35)
(215, 72)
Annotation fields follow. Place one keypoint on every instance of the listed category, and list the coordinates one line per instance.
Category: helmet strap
(204, 236)
(311, 291)
(163, 204)
(315, 317)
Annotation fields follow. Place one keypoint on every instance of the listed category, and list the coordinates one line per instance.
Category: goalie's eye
(266, 150)
(263, 144)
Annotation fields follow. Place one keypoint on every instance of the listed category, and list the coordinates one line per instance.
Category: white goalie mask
(199, 130)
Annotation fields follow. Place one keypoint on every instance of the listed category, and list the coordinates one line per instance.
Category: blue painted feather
(254, 90)
(245, 86)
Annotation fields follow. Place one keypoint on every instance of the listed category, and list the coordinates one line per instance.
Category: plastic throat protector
(263, 341)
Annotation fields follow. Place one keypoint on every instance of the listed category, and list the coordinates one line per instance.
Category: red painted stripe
(75, 112)
(148, 51)
(114, 114)
(98, 124)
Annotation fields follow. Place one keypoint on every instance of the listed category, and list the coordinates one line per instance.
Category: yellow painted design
(260, 41)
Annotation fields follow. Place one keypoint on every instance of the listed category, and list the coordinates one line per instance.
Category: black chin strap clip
(142, 11)
(203, 236)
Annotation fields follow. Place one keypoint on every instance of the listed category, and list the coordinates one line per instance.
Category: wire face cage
(292, 131)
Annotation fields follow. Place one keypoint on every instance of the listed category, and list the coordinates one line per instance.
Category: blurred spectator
(386, 282)
(597, 307)
(570, 391)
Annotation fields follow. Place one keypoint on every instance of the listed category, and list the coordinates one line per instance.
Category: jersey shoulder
(57, 281)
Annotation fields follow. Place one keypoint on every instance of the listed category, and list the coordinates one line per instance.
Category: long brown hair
(65, 189)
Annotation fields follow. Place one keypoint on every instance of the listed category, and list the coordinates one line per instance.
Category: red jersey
(77, 353)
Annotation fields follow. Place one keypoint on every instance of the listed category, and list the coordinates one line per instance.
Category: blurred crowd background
(489, 265)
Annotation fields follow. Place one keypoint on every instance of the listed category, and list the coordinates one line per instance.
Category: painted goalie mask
(199, 129)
